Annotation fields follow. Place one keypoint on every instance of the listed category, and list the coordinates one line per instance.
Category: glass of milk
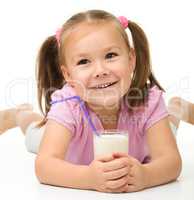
(110, 141)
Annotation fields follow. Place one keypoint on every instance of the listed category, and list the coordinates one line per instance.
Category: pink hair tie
(124, 21)
(58, 35)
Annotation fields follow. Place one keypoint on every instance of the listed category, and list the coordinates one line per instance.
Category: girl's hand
(137, 175)
(107, 174)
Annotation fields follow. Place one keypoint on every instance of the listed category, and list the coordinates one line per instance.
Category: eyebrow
(111, 47)
(105, 50)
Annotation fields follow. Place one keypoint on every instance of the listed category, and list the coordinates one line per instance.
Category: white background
(25, 24)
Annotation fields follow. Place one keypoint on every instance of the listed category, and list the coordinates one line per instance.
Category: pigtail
(49, 75)
(143, 77)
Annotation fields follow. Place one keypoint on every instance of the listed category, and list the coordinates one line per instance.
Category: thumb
(105, 158)
(120, 155)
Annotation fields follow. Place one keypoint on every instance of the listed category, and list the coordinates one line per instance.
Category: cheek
(123, 67)
(125, 75)
(79, 82)
(124, 72)
(79, 77)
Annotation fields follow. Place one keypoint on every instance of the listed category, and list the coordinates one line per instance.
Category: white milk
(107, 143)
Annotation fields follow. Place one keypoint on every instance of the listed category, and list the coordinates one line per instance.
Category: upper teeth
(103, 86)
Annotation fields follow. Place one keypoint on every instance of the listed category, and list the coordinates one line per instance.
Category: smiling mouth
(106, 85)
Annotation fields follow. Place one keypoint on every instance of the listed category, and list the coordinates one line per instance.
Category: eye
(111, 55)
(83, 62)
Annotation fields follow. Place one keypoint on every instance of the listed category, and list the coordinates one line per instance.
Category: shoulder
(154, 97)
(64, 92)
(66, 96)
(155, 108)
(64, 109)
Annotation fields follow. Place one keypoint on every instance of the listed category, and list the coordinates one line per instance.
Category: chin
(111, 103)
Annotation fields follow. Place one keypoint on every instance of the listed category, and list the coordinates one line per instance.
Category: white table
(18, 181)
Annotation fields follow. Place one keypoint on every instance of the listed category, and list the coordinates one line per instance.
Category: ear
(132, 57)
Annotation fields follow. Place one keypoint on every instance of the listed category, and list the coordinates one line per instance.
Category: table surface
(18, 180)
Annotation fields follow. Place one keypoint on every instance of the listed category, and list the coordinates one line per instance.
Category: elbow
(178, 167)
(40, 169)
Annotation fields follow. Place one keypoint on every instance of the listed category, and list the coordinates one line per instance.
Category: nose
(100, 70)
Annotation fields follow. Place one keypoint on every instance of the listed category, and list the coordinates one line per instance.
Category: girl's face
(99, 64)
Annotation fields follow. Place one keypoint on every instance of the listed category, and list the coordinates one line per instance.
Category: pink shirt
(80, 150)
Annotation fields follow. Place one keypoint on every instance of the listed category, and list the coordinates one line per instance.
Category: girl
(91, 57)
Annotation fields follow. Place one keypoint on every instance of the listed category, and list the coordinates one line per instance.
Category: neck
(107, 116)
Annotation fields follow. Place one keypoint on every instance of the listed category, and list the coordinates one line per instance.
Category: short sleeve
(155, 109)
(61, 111)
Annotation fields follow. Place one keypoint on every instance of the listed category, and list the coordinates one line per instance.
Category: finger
(121, 189)
(131, 188)
(117, 183)
(124, 155)
(105, 158)
(115, 164)
(119, 155)
(131, 180)
(111, 175)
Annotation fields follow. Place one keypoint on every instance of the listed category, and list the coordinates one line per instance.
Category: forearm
(191, 113)
(54, 171)
(162, 170)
